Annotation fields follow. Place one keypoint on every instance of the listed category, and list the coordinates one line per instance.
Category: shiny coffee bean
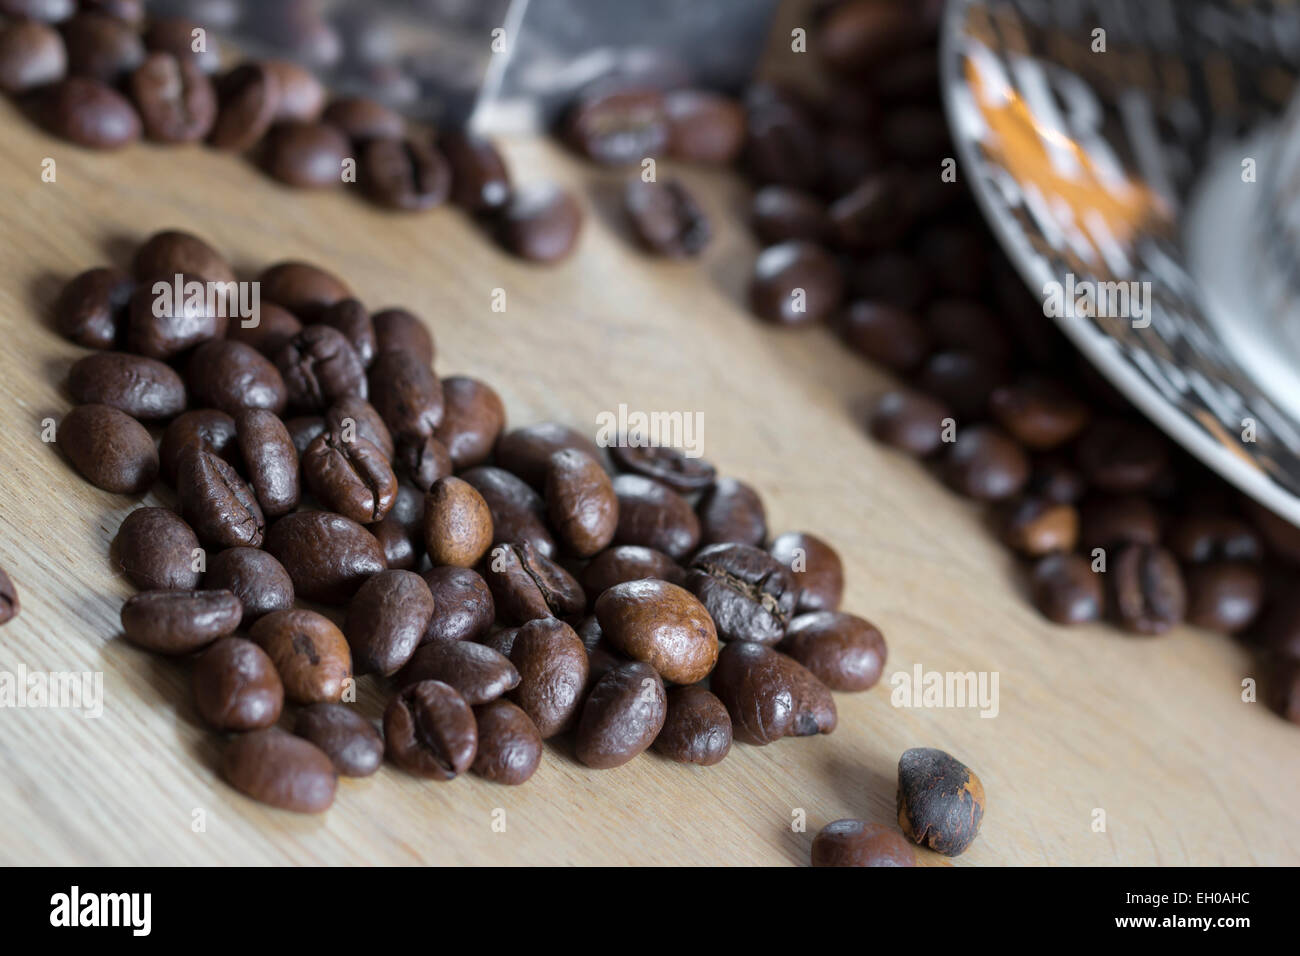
(795, 283)
(1054, 479)
(1149, 596)
(731, 511)
(940, 800)
(816, 567)
(303, 430)
(1038, 414)
(885, 335)
(363, 119)
(270, 460)
(232, 376)
(1202, 538)
(665, 218)
(478, 672)
(472, 420)
(462, 602)
(304, 289)
(626, 562)
(652, 515)
(310, 654)
(350, 477)
(891, 278)
(539, 222)
(480, 179)
(1110, 521)
(407, 395)
(90, 113)
(248, 100)
(526, 452)
(770, 695)
(704, 127)
(843, 651)
(348, 739)
(1066, 590)
(748, 593)
(1036, 527)
(408, 173)
(661, 624)
(457, 523)
(320, 367)
(423, 461)
(179, 622)
(101, 47)
(144, 388)
(387, 620)
(157, 551)
(92, 307)
(305, 155)
(206, 428)
(581, 503)
(552, 666)
(170, 251)
(236, 686)
(161, 328)
(966, 326)
(175, 35)
(328, 556)
(1224, 596)
(874, 214)
(509, 746)
(697, 728)
(280, 770)
(518, 512)
(350, 317)
(1284, 691)
(1122, 457)
(618, 128)
(109, 448)
(214, 499)
(911, 422)
(352, 417)
(402, 331)
(780, 214)
(985, 464)
(526, 584)
(259, 581)
(855, 843)
(176, 100)
(401, 533)
(430, 731)
(622, 716)
(32, 55)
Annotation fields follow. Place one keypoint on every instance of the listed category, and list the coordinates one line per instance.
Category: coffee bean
(1224, 596)
(303, 289)
(161, 328)
(281, 770)
(144, 388)
(843, 651)
(1056, 480)
(232, 376)
(9, 604)
(661, 624)
(1204, 538)
(984, 463)
(401, 533)
(704, 127)
(1284, 691)
(552, 666)
(364, 119)
(303, 430)
(910, 421)
(781, 213)
(1066, 590)
(348, 739)
(622, 716)
(90, 113)
(509, 746)
(782, 141)
(457, 523)
(697, 728)
(109, 448)
(479, 673)
(408, 173)
(581, 503)
(855, 843)
(526, 584)
(274, 328)
(47, 11)
(539, 222)
(205, 428)
(216, 502)
(32, 55)
(352, 417)
(429, 731)
(463, 605)
(618, 128)
(886, 335)
(602, 656)
(175, 35)
(91, 309)
(302, 95)
(472, 420)
(350, 317)
(1036, 527)
(855, 37)
(1109, 521)
(480, 179)
(1040, 415)
(748, 593)
(350, 477)
(967, 326)
(940, 800)
(236, 686)
(671, 466)
(891, 278)
(795, 283)
(731, 511)
(310, 654)
(423, 461)
(518, 512)
(328, 556)
(259, 581)
(179, 622)
(249, 100)
(770, 695)
(176, 100)
(156, 550)
(1148, 590)
(319, 367)
(962, 380)
(665, 217)
(652, 515)
(527, 451)
(306, 155)
(166, 253)
(873, 215)
(407, 395)
(101, 47)
(401, 331)
(270, 460)
(628, 562)
(1122, 457)
(816, 567)
(387, 620)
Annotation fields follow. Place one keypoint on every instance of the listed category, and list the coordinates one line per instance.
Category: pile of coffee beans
(104, 76)
(334, 509)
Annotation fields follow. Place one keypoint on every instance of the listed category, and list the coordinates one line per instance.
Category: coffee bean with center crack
(748, 593)
(1148, 590)
(526, 585)
(351, 477)
(216, 502)
(430, 731)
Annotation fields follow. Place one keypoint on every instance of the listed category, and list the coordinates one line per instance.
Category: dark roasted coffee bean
(259, 581)
(236, 686)
(1036, 527)
(509, 746)
(622, 716)
(407, 395)
(479, 177)
(602, 656)
(855, 843)
(985, 464)
(302, 95)
(157, 551)
(473, 417)
(109, 448)
(962, 325)
(1224, 596)
(940, 800)
(179, 622)
(526, 584)
(232, 376)
(327, 556)
(457, 523)
(910, 421)
(176, 35)
(671, 466)
(352, 417)
(704, 127)
(1040, 414)
(1109, 521)
(270, 460)
(748, 593)
(350, 317)
(319, 367)
(526, 452)
(539, 222)
(856, 36)
(581, 503)
(770, 695)
(144, 388)
(962, 380)
(795, 283)
(423, 461)
(479, 673)
(306, 155)
(852, 156)
(310, 654)
(1149, 596)
(9, 604)
(166, 253)
(402, 331)
(816, 567)
(160, 327)
(661, 624)
(618, 128)
(782, 213)
(891, 278)
(176, 100)
(281, 770)
(350, 741)
(92, 308)
(652, 515)
(665, 217)
(697, 728)
(884, 334)
(843, 651)
(90, 113)
(216, 502)
(626, 562)
(430, 731)
(350, 477)
(1065, 589)
(463, 609)
(782, 141)
(1054, 479)
(1202, 538)
(518, 512)
(408, 173)
(205, 428)
(552, 666)
(303, 430)
(249, 99)
(1122, 457)
(32, 55)
(731, 511)
(387, 620)
(364, 119)
(101, 47)
(274, 328)
(303, 289)
(402, 546)
(873, 215)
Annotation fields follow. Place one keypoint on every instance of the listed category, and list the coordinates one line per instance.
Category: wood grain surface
(1153, 732)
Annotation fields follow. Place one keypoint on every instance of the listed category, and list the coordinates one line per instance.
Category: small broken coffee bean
(940, 801)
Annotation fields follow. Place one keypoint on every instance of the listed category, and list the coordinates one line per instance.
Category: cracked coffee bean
(350, 477)
(748, 593)
(216, 502)
(526, 584)
(430, 731)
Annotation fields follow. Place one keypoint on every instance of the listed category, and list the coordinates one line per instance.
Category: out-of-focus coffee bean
(855, 843)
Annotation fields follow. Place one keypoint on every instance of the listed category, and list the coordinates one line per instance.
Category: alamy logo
(945, 689)
(633, 429)
(1100, 300)
(134, 910)
(231, 300)
(54, 690)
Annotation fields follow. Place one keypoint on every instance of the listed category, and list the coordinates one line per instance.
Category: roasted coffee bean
(628, 562)
(856, 36)
(166, 253)
(259, 581)
(478, 672)
(852, 157)
(364, 119)
(886, 335)
(387, 620)
(303, 289)
(423, 461)
(401, 533)
(463, 605)
(518, 512)
(963, 325)
(1122, 457)
(473, 418)
(306, 155)
(602, 656)
(661, 624)
(671, 466)
(236, 686)
(32, 55)
(232, 376)
(303, 430)
(350, 477)
(891, 278)
(281, 770)
(985, 464)
(795, 283)
(160, 327)
(552, 666)
(618, 128)
(1038, 414)
(748, 593)
(940, 800)
(652, 515)
(9, 604)
(1036, 527)
(697, 728)
(962, 380)
(175, 35)
(704, 127)
(1284, 691)
(457, 523)
(310, 654)
(109, 448)
(1109, 521)
(399, 330)
(911, 422)
(816, 567)
(274, 328)
(665, 217)
(770, 695)
(327, 556)
(350, 317)
(408, 173)
(873, 215)
(157, 551)
(302, 95)
(179, 622)
(622, 716)
(855, 843)
(526, 584)
(781, 213)
(92, 307)
(270, 460)
(526, 452)
(144, 388)
(90, 113)
(407, 395)
(1147, 588)
(782, 141)
(732, 511)
(206, 428)
(176, 100)
(509, 746)
(249, 99)
(1224, 596)
(101, 47)
(1065, 589)
(843, 651)
(320, 367)
(581, 503)
(539, 222)
(352, 417)
(216, 502)
(348, 739)
(479, 177)
(1202, 538)
(1054, 479)
(430, 731)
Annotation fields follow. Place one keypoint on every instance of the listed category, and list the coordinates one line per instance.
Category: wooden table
(1153, 732)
